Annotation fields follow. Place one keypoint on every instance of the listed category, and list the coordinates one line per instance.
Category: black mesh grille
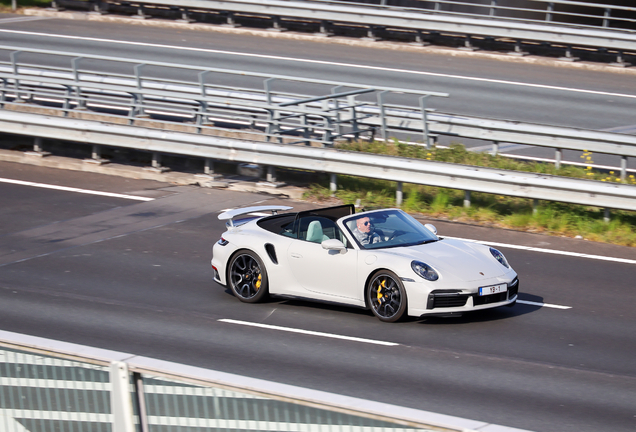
(513, 289)
(452, 298)
(487, 299)
(446, 300)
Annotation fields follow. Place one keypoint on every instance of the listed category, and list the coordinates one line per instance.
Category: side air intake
(271, 252)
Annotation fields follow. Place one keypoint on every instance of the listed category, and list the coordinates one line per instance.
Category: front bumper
(455, 302)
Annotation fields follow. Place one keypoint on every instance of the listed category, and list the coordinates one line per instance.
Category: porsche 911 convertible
(382, 260)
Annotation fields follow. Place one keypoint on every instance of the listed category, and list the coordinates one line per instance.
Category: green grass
(5, 5)
(458, 154)
(493, 210)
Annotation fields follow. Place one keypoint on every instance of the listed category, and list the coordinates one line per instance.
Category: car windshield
(387, 228)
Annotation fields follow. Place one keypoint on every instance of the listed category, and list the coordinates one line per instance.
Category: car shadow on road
(500, 313)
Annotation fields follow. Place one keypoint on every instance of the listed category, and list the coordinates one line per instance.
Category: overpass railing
(397, 169)
(557, 22)
(261, 107)
(50, 385)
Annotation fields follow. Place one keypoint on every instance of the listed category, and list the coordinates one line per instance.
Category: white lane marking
(269, 425)
(21, 19)
(324, 62)
(308, 332)
(543, 304)
(548, 251)
(630, 129)
(77, 190)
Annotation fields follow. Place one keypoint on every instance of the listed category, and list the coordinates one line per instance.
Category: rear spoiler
(231, 214)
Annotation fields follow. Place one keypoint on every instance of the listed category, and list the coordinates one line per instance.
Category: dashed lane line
(548, 251)
(308, 332)
(543, 304)
(77, 190)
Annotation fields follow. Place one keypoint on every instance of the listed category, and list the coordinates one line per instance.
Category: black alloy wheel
(248, 278)
(386, 296)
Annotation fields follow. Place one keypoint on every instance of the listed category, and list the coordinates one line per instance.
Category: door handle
(296, 255)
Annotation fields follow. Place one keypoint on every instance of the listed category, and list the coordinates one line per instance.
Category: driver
(365, 233)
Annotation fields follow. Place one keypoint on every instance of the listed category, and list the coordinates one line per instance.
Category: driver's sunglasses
(366, 223)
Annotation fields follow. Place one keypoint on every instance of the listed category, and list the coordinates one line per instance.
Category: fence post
(208, 167)
(38, 149)
(606, 16)
(623, 168)
(276, 25)
(96, 156)
(548, 14)
(557, 158)
(382, 112)
(81, 103)
(467, 199)
(333, 184)
(424, 120)
(324, 29)
(155, 164)
(398, 195)
(138, 383)
(271, 174)
(120, 398)
(37, 145)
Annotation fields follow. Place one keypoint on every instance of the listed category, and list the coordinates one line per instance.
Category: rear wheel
(248, 278)
(386, 296)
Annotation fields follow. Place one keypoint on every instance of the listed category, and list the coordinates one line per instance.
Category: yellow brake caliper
(380, 286)
(258, 282)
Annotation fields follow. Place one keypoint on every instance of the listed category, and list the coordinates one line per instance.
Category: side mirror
(335, 245)
(431, 228)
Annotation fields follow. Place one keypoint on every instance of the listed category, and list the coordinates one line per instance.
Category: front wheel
(248, 278)
(386, 296)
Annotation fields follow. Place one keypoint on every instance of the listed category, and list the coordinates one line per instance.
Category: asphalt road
(135, 277)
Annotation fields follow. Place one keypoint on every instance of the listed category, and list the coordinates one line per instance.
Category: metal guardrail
(50, 385)
(268, 113)
(540, 21)
(74, 91)
(401, 170)
(321, 119)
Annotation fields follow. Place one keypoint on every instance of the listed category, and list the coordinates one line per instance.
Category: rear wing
(231, 214)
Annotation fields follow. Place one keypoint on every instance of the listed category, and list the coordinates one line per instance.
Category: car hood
(455, 259)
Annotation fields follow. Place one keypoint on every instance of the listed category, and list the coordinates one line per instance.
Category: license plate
(493, 289)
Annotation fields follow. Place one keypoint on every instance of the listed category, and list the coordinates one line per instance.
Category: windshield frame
(426, 235)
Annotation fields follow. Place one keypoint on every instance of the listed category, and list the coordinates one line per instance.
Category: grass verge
(5, 5)
(492, 210)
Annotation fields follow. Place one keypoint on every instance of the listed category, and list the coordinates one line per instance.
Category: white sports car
(383, 260)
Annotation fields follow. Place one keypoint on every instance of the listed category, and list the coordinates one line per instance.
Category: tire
(247, 277)
(386, 296)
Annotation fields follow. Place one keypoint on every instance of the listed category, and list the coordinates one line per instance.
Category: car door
(328, 273)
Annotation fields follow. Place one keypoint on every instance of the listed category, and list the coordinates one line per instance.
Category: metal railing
(400, 170)
(340, 110)
(558, 22)
(332, 112)
(50, 385)
(73, 92)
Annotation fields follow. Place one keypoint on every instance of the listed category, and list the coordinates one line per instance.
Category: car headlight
(499, 257)
(424, 270)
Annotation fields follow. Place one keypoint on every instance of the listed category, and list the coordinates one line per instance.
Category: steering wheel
(396, 234)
